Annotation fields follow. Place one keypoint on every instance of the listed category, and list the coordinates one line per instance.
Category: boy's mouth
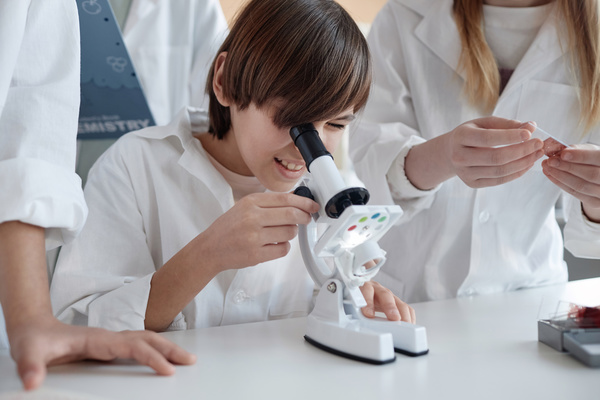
(290, 166)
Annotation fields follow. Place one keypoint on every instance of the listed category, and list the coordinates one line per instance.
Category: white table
(482, 347)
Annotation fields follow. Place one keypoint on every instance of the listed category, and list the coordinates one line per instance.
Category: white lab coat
(454, 240)
(149, 195)
(172, 44)
(39, 104)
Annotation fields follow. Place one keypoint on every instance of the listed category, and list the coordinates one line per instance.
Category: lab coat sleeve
(582, 236)
(39, 105)
(103, 278)
(210, 29)
(387, 130)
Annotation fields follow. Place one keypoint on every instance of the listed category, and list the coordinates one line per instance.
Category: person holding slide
(450, 135)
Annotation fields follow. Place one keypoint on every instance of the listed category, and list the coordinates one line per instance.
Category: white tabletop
(482, 347)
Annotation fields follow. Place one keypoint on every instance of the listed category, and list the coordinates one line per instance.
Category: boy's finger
(288, 200)
(406, 311)
(413, 315)
(368, 293)
(282, 216)
(385, 301)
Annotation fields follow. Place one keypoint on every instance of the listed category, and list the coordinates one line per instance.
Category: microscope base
(346, 355)
(409, 339)
(346, 332)
(351, 341)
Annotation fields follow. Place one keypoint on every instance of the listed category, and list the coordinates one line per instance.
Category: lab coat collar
(194, 158)
(137, 12)
(437, 18)
(544, 50)
(438, 30)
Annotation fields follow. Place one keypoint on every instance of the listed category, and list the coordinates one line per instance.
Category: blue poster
(112, 100)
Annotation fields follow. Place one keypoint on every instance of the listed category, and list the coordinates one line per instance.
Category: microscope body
(345, 232)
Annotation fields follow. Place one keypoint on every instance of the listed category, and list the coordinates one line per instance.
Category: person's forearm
(177, 283)
(24, 292)
(427, 165)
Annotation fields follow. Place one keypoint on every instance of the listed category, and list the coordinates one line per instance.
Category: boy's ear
(218, 80)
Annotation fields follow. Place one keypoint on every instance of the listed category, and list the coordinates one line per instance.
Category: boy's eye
(336, 126)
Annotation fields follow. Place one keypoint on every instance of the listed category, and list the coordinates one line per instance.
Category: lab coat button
(484, 216)
(240, 297)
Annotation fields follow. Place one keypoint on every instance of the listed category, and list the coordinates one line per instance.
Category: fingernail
(29, 379)
(554, 162)
(567, 156)
(525, 135)
(368, 311)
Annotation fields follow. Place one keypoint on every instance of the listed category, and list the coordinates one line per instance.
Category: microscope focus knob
(304, 191)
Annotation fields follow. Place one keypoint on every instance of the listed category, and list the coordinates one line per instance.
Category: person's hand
(45, 342)
(381, 299)
(257, 229)
(576, 170)
(492, 151)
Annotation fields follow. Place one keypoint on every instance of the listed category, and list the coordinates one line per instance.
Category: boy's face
(257, 147)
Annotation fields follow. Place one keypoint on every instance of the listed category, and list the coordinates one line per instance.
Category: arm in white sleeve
(210, 29)
(387, 130)
(39, 106)
(582, 236)
(103, 278)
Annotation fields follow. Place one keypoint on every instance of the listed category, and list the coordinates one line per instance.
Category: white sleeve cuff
(40, 193)
(123, 308)
(582, 236)
(400, 186)
(179, 323)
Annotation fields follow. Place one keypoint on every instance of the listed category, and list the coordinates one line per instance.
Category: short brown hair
(309, 55)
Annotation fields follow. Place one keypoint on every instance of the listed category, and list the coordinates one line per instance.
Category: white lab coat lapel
(138, 11)
(544, 50)
(438, 31)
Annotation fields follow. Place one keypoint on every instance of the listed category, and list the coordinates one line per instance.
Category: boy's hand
(45, 342)
(381, 299)
(257, 229)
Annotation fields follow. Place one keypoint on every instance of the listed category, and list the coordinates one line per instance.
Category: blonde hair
(482, 86)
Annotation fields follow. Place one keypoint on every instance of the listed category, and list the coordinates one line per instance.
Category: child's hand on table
(381, 299)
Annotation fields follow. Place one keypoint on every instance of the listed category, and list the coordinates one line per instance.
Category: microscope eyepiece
(330, 188)
(307, 140)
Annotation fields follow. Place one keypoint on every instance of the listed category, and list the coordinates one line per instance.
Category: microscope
(339, 248)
